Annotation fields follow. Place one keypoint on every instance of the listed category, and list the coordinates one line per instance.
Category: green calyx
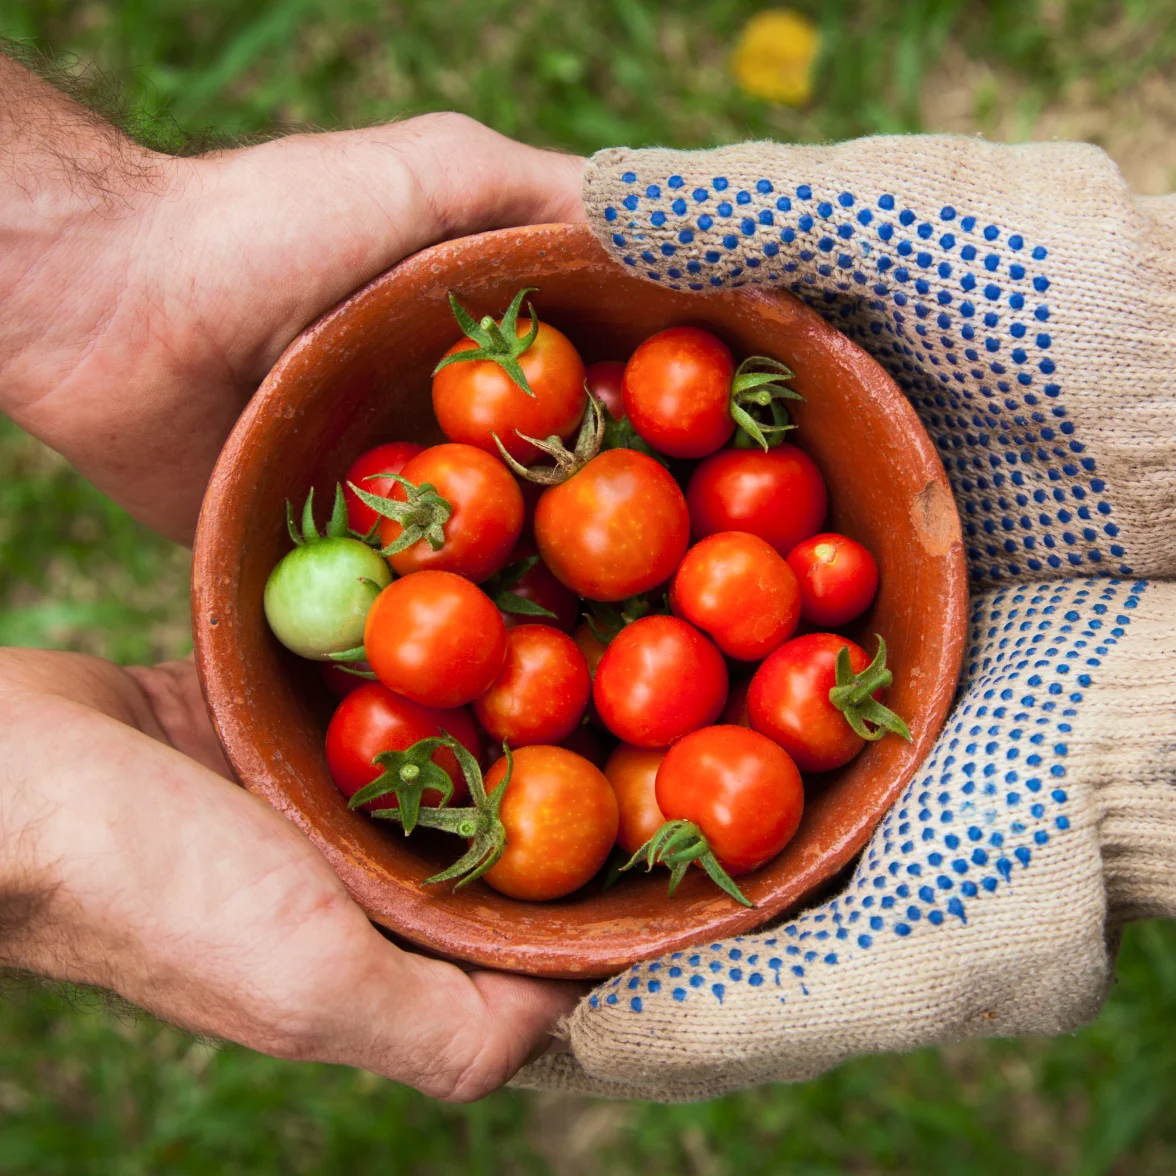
(497, 343)
(366, 675)
(406, 775)
(678, 843)
(422, 515)
(756, 394)
(620, 434)
(357, 654)
(336, 528)
(498, 588)
(480, 824)
(853, 697)
(605, 621)
(567, 462)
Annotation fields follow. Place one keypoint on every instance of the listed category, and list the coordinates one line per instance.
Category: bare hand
(146, 297)
(140, 867)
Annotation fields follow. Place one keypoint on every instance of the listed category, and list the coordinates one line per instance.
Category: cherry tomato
(317, 598)
(435, 638)
(338, 681)
(541, 691)
(590, 743)
(473, 401)
(677, 392)
(659, 679)
(540, 587)
(384, 459)
(788, 701)
(560, 816)
(735, 712)
(838, 578)
(487, 514)
(604, 382)
(632, 772)
(371, 720)
(737, 588)
(778, 495)
(616, 528)
(739, 788)
(590, 645)
(593, 650)
(531, 492)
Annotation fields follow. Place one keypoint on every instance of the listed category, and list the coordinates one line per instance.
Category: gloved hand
(1027, 305)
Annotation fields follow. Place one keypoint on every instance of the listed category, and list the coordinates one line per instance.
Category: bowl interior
(361, 376)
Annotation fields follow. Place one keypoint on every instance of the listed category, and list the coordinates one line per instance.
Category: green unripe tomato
(316, 600)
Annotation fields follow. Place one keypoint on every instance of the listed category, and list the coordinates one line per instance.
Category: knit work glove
(1027, 305)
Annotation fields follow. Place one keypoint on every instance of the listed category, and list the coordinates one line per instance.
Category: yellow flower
(775, 56)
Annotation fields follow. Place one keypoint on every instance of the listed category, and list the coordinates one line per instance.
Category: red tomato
(593, 650)
(735, 712)
(531, 492)
(338, 681)
(541, 691)
(371, 720)
(487, 514)
(737, 588)
(384, 459)
(838, 578)
(617, 528)
(588, 742)
(604, 382)
(632, 772)
(677, 392)
(590, 645)
(540, 587)
(659, 679)
(435, 638)
(778, 495)
(788, 701)
(739, 788)
(560, 816)
(473, 401)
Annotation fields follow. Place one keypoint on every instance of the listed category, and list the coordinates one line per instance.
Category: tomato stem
(678, 843)
(480, 824)
(853, 696)
(567, 462)
(756, 392)
(496, 344)
(422, 515)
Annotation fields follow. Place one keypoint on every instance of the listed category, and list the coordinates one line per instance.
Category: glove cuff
(1139, 848)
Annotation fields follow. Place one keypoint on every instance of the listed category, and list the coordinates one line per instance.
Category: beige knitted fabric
(984, 902)
(1027, 305)
(1025, 301)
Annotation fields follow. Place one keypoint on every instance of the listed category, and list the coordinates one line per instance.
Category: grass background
(84, 1090)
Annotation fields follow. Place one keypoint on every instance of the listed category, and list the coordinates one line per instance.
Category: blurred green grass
(84, 1090)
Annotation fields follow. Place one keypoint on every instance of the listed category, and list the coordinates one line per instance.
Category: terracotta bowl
(360, 376)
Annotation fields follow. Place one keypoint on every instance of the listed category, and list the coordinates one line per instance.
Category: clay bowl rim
(211, 593)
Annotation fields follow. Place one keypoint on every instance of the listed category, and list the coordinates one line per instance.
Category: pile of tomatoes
(503, 601)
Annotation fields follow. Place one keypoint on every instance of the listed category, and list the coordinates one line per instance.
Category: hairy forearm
(144, 297)
(59, 159)
(72, 189)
